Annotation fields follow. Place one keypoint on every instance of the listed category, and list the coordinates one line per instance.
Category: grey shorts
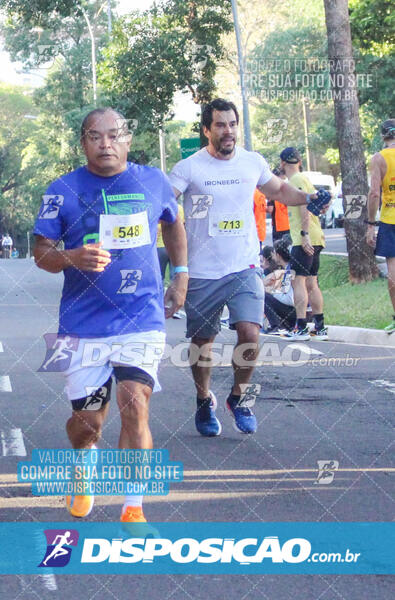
(242, 292)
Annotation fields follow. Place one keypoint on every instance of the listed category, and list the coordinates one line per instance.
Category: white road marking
(5, 384)
(304, 348)
(12, 442)
(1, 347)
(388, 385)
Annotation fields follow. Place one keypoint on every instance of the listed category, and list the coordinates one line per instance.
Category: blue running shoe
(244, 418)
(206, 422)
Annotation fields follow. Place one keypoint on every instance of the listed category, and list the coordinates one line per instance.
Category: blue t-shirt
(127, 296)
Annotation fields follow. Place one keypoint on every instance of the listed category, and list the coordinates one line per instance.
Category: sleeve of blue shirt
(49, 219)
(169, 202)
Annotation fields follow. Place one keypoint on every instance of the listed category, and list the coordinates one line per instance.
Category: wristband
(370, 222)
(180, 270)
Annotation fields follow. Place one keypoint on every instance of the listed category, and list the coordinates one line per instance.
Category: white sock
(133, 500)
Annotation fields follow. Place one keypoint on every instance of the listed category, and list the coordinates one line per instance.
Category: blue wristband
(180, 270)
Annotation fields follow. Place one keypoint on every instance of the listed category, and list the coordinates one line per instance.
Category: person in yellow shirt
(382, 172)
(307, 242)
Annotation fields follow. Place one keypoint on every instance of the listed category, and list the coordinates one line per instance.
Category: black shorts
(304, 264)
(385, 245)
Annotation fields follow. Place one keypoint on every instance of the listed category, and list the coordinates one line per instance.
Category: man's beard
(224, 151)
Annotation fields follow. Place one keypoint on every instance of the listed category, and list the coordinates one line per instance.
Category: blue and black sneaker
(244, 418)
(206, 422)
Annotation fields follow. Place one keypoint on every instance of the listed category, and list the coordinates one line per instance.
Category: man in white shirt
(218, 184)
(6, 243)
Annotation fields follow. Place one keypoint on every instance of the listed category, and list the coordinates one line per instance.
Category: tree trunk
(362, 264)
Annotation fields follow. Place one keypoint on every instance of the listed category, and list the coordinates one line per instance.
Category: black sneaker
(319, 334)
(298, 335)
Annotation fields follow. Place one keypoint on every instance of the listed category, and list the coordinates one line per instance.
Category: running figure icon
(58, 549)
(61, 349)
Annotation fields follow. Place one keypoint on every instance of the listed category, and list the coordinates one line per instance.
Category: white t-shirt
(7, 240)
(218, 207)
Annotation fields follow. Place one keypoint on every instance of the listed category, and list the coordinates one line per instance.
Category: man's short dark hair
(388, 129)
(93, 113)
(217, 104)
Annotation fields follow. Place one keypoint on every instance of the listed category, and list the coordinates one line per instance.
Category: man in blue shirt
(106, 214)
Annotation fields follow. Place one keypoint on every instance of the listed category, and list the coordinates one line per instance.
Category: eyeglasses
(117, 137)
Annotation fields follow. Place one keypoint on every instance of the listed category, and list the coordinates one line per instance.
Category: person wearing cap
(307, 243)
(382, 173)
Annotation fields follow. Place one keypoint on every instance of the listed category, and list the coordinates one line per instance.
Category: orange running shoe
(134, 524)
(80, 506)
(133, 514)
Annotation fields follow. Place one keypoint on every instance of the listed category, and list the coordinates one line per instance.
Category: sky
(10, 72)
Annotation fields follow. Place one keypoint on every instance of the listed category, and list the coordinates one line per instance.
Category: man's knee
(200, 351)
(311, 283)
(133, 402)
(247, 333)
(200, 342)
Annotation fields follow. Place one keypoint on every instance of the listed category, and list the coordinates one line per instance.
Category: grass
(363, 305)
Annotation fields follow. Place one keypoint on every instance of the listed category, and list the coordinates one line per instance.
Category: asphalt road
(320, 401)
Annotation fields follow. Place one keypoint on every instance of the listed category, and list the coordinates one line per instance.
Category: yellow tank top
(387, 214)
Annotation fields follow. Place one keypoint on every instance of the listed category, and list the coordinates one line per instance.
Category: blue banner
(216, 548)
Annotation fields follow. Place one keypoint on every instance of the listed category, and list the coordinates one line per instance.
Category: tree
(373, 35)
(38, 11)
(51, 146)
(362, 264)
(372, 21)
(279, 90)
(174, 46)
(15, 128)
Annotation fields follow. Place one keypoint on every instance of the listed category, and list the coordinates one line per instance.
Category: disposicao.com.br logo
(185, 550)
(205, 547)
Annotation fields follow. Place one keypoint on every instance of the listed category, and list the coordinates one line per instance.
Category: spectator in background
(279, 299)
(268, 263)
(382, 169)
(6, 243)
(307, 242)
(260, 215)
(278, 212)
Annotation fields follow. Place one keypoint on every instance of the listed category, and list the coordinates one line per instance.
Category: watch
(303, 233)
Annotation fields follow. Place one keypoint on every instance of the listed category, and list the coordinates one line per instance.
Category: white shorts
(93, 360)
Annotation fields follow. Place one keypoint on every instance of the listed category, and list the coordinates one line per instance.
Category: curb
(357, 335)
